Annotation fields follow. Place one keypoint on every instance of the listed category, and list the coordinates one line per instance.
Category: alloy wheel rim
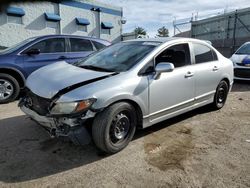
(119, 128)
(6, 89)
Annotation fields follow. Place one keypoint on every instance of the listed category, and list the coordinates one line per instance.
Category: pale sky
(153, 14)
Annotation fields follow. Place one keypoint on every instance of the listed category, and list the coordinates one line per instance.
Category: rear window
(203, 54)
(98, 45)
(80, 45)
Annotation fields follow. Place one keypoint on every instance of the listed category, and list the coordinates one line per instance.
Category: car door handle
(189, 74)
(215, 68)
(62, 57)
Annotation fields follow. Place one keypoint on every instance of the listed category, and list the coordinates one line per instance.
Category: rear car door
(51, 50)
(173, 91)
(207, 71)
(79, 49)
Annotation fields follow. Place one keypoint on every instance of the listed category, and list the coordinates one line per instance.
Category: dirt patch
(170, 154)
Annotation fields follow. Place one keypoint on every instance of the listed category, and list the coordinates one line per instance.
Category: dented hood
(49, 80)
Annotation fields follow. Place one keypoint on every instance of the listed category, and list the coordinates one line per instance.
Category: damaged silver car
(129, 85)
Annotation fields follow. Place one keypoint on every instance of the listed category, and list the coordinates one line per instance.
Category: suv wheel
(220, 96)
(9, 88)
(114, 127)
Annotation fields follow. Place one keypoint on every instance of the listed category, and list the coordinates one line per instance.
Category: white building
(87, 18)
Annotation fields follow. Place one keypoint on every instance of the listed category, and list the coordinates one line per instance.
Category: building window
(52, 20)
(82, 24)
(14, 19)
(106, 28)
(14, 15)
(51, 24)
(83, 28)
(106, 31)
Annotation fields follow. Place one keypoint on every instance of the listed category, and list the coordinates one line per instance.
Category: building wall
(35, 24)
(225, 31)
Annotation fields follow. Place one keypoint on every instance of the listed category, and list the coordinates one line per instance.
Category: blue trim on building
(91, 7)
(15, 11)
(107, 25)
(82, 21)
(52, 17)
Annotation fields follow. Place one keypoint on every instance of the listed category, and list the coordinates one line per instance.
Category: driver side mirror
(33, 52)
(163, 67)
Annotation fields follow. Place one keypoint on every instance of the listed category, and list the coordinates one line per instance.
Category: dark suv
(19, 61)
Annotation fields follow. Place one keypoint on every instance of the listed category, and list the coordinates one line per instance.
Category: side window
(80, 45)
(98, 45)
(178, 54)
(54, 45)
(203, 54)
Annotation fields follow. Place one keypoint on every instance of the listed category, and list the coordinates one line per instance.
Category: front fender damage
(72, 128)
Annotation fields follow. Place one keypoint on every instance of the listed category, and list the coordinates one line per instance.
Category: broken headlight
(61, 108)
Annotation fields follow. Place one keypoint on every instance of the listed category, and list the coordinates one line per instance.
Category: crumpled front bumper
(42, 120)
(62, 127)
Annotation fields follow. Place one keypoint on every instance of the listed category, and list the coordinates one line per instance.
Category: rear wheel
(114, 128)
(220, 95)
(9, 88)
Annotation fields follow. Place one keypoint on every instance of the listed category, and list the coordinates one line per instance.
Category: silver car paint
(158, 100)
(47, 81)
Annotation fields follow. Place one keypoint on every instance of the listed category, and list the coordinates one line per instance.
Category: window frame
(214, 54)
(69, 45)
(143, 70)
(171, 45)
(22, 52)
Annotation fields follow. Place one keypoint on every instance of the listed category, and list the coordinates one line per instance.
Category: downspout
(59, 13)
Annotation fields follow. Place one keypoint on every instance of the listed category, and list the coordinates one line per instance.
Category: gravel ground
(199, 149)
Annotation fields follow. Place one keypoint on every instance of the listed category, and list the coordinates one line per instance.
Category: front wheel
(9, 88)
(114, 127)
(220, 96)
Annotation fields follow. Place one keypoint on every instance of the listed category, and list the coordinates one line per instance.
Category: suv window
(80, 45)
(98, 45)
(203, 53)
(178, 54)
(50, 45)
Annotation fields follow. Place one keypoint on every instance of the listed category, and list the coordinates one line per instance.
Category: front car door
(207, 72)
(51, 50)
(173, 92)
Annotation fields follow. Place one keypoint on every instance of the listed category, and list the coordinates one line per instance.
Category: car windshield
(17, 46)
(245, 50)
(119, 57)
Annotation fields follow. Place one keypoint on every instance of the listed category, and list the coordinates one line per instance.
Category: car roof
(70, 36)
(167, 39)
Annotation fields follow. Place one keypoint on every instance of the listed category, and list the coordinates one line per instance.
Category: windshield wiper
(91, 67)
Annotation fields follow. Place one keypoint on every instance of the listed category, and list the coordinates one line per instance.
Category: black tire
(114, 128)
(220, 96)
(14, 86)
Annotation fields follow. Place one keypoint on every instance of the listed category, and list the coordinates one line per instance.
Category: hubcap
(6, 89)
(221, 95)
(119, 128)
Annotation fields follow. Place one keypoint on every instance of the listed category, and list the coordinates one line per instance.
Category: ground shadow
(28, 153)
(241, 86)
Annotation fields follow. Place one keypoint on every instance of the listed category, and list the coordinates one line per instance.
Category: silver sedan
(129, 85)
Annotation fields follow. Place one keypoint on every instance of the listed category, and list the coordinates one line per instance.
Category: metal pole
(234, 31)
